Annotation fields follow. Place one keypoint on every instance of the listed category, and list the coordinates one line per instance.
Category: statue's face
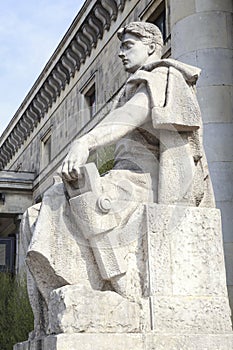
(133, 52)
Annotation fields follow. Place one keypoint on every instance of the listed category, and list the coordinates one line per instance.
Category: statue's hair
(149, 32)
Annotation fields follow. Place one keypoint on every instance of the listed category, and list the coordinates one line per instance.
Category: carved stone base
(186, 271)
(151, 341)
(184, 306)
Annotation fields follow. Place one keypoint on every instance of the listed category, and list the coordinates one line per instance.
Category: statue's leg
(177, 170)
(127, 191)
(37, 302)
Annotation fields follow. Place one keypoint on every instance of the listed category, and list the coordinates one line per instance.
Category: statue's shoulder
(189, 72)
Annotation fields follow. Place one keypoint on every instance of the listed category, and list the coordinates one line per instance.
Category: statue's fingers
(65, 171)
(74, 174)
(65, 176)
(71, 169)
(74, 171)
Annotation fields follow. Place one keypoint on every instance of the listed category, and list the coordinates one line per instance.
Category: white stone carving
(134, 259)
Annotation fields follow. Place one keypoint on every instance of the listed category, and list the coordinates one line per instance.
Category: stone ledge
(148, 341)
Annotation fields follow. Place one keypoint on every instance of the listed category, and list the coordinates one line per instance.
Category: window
(158, 13)
(2, 254)
(46, 149)
(7, 254)
(159, 19)
(90, 98)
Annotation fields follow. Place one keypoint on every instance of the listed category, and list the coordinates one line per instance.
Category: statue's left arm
(115, 125)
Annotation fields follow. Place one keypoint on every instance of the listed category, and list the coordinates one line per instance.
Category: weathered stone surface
(187, 315)
(186, 272)
(77, 309)
(189, 342)
(185, 250)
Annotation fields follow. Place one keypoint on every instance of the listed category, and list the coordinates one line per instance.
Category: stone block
(185, 251)
(230, 296)
(181, 9)
(216, 103)
(227, 220)
(229, 18)
(75, 308)
(190, 315)
(209, 30)
(115, 341)
(159, 260)
(189, 342)
(214, 5)
(218, 142)
(15, 202)
(188, 57)
(216, 65)
(223, 189)
(228, 249)
(85, 341)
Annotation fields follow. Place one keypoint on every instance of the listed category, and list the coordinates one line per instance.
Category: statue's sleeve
(173, 100)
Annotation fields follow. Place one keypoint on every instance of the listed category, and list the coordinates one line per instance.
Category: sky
(30, 31)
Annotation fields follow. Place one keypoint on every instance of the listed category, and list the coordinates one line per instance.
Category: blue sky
(30, 31)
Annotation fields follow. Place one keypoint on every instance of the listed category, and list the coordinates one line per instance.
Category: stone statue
(156, 124)
(123, 253)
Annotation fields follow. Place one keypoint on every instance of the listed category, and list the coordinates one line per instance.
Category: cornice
(16, 180)
(77, 44)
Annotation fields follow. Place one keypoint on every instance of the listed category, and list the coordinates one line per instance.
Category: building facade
(77, 88)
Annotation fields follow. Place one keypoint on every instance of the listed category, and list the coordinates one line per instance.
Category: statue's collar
(190, 73)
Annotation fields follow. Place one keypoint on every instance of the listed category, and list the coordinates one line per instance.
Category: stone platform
(131, 341)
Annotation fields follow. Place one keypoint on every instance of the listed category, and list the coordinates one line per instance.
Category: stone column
(201, 34)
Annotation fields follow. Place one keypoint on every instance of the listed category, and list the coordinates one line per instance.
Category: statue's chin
(130, 70)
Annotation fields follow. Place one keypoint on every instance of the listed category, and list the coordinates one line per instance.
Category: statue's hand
(76, 157)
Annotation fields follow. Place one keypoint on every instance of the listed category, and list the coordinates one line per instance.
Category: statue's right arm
(114, 126)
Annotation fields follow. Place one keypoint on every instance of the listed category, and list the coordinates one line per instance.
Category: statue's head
(141, 42)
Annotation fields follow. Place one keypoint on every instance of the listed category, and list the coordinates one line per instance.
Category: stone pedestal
(184, 303)
(186, 270)
(130, 342)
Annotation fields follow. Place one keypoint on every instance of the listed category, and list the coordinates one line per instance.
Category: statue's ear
(151, 48)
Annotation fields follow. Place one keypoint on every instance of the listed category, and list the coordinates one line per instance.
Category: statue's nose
(121, 54)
